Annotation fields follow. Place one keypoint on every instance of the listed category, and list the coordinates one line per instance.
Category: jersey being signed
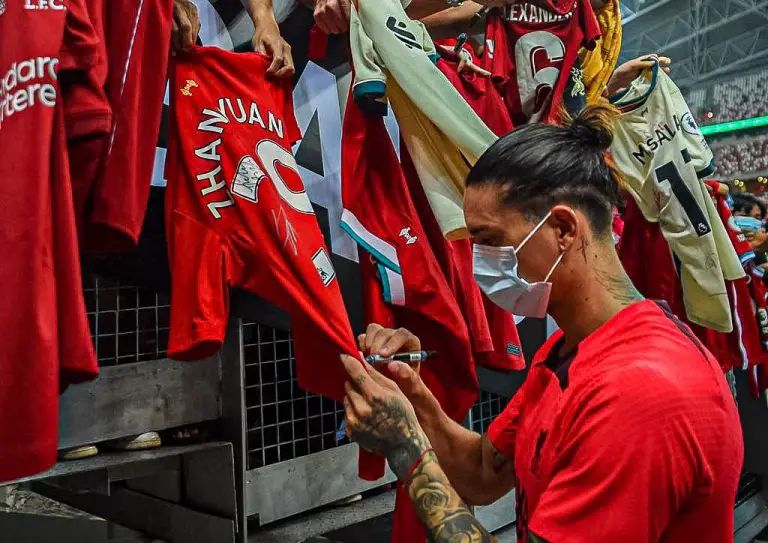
(238, 215)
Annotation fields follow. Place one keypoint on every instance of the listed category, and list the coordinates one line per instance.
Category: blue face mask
(495, 271)
(748, 224)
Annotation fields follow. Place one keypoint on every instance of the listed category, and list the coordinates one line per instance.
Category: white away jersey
(394, 56)
(663, 156)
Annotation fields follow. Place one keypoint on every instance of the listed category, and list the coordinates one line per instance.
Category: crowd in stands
(742, 97)
(741, 156)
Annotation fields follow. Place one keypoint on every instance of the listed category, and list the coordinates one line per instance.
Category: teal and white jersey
(664, 157)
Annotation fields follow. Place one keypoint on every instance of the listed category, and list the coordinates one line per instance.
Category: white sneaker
(78, 453)
(147, 440)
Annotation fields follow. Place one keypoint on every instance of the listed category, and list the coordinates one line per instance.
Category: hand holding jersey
(186, 25)
(267, 38)
(632, 69)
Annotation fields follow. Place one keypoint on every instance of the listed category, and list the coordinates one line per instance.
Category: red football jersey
(479, 92)
(505, 354)
(41, 275)
(82, 77)
(531, 49)
(750, 317)
(638, 418)
(402, 282)
(647, 259)
(379, 213)
(454, 259)
(238, 216)
(87, 117)
(137, 40)
(749, 339)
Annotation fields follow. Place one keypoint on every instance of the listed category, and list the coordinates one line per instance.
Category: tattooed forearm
(398, 434)
(445, 516)
(413, 441)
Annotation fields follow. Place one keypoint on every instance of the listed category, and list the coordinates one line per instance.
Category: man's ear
(568, 226)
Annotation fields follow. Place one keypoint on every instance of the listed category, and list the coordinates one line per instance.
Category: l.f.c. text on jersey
(44, 4)
(26, 84)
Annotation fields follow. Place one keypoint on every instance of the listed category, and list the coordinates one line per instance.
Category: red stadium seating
(741, 156)
(742, 97)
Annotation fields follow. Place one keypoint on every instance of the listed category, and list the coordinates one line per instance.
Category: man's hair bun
(594, 126)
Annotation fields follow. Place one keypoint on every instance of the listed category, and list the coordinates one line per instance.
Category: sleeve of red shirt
(589, 25)
(626, 462)
(503, 430)
(292, 131)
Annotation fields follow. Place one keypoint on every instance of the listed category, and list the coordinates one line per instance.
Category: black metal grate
(128, 324)
(487, 407)
(284, 421)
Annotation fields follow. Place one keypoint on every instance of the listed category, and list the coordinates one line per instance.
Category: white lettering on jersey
(209, 151)
(239, 113)
(249, 174)
(255, 117)
(275, 124)
(539, 56)
(215, 186)
(490, 48)
(239, 117)
(214, 117)
(531, 13)
(44, 4)
(26, 84)
(663, 133)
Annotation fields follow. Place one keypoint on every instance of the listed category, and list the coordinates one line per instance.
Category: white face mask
(495, 270)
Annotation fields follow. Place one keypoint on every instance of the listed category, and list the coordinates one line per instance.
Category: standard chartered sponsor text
(26, 84)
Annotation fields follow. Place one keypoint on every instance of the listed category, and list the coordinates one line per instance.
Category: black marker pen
(409, 358)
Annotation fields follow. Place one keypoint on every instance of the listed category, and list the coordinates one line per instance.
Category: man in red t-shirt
(625, 428)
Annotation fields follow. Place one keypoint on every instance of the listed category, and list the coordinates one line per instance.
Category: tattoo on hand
(446, 517)
(392, 429)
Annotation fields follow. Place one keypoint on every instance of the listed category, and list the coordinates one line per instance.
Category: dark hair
(743, 203)
(541, 165)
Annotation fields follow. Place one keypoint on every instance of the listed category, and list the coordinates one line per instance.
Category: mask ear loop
(552, 270)
(533, 232)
